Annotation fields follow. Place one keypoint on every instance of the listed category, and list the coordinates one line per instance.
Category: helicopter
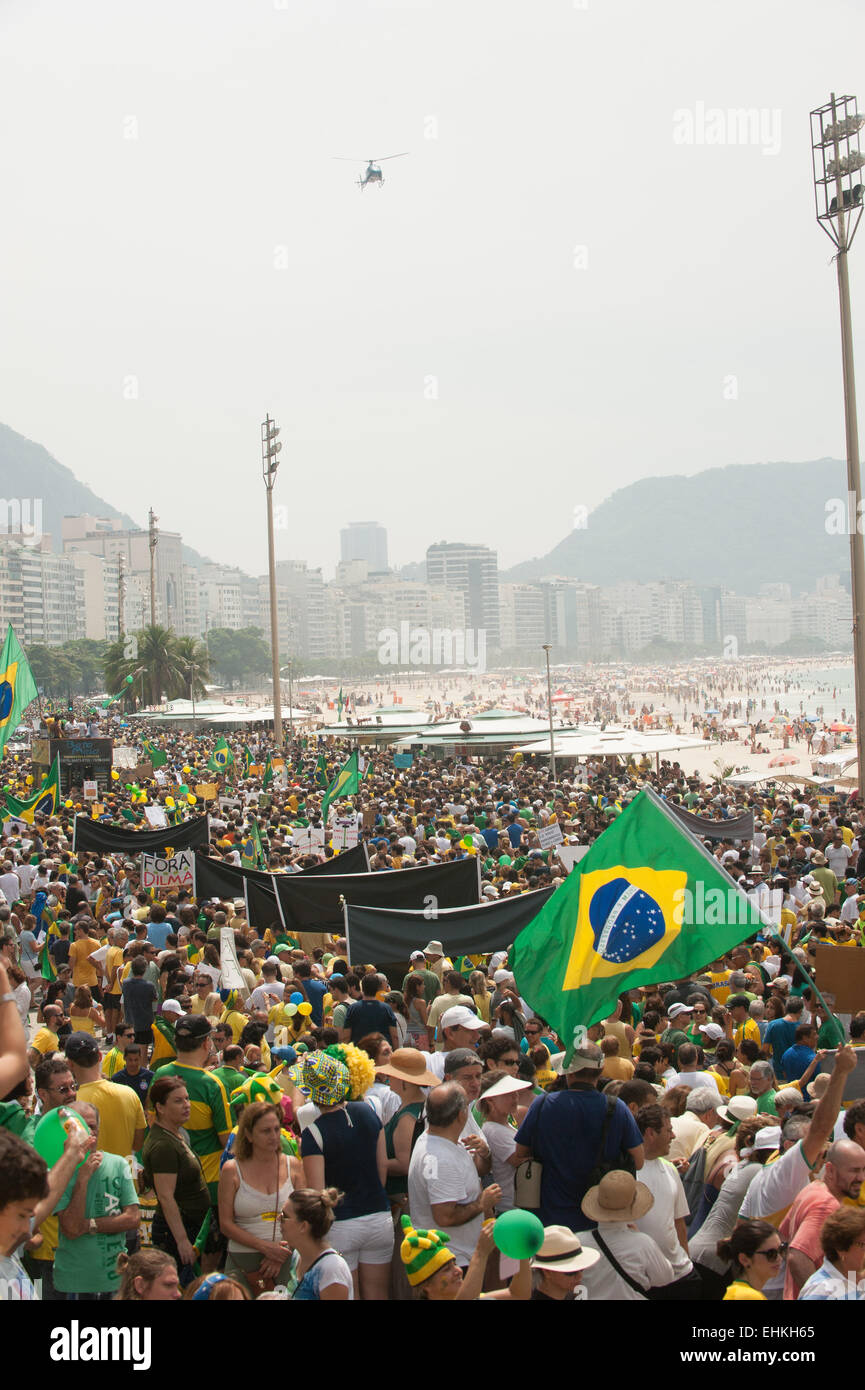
(372, 173)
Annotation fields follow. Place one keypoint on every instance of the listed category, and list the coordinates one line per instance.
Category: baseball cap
(768, 1138)
(417, 955)
(676, 1009)
(461, 1017)
(192, 1026)
(82, 1048)
(714, 1032)
(584, 1060)
(171, 1006)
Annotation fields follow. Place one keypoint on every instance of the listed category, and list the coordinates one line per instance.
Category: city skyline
(486, 332)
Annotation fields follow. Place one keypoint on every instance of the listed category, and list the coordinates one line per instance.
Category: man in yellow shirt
(82, 948)
(115, 1060)
(46, 1039)
(745, 1025)
(121, 1118)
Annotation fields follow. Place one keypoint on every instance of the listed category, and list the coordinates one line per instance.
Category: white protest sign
(550, 835)
(91, 791)
(345, 834)
(160, 873)
(231, 976)
(572, 854)
(156, 817)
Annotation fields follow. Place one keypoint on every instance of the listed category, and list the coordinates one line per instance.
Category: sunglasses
(773, 1254)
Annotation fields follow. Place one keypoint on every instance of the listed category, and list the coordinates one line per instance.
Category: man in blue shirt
(781, 1035)
(563, 1132)
(515, 831)
(798, 1058)
(315, 991)
(134, 1074)
(370, 1015)
(158, 930)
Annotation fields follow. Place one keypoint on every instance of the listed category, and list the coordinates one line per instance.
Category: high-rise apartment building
(474, 571)
(364, 540)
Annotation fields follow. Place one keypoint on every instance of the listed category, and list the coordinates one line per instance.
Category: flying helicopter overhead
(373, 173)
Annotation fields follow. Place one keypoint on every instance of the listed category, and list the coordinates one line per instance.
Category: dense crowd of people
(340, 1130)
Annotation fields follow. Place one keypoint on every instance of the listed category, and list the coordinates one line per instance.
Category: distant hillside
(27, 470)
(740, 527)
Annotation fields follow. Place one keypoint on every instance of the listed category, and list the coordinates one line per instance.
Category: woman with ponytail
(306, 1222)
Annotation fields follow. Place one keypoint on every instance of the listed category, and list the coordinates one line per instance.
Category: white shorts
(367, 1240)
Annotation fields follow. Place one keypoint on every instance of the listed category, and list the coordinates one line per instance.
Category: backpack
(623, 1162)
(694, 1181)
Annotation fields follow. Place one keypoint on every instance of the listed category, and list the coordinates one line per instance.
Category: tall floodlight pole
(547, 650)
(121, 594)
(153, 541)
(836, 160)
(270, 447)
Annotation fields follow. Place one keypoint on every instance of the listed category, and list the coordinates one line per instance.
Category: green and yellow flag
(17, 686)
(252, 850)
(44, 803)
(340, 705)
(647, 904)
(321, 771)
(248, 762)
(156, 755)
(268, 774)
(221, 758)
(345, 783)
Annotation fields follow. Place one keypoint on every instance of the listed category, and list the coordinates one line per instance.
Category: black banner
(110, 839)
(214, 878)
(308, 903)
(383, 936)
(736, 828)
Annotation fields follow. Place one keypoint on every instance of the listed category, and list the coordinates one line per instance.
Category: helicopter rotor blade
(390, 156)
(345, 159)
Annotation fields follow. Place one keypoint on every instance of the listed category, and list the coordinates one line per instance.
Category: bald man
(841, 1180)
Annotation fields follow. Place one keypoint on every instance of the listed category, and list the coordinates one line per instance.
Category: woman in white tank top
(254, 1186)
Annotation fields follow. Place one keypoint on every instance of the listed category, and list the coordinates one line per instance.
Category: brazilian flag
(647, 904)
(252, 850)
(221, 758)
(345, 783)
(340, 704)
(44, 803)
(321, 771)
(156, 755)
(268, 775)
(248, 761)
(17, 687)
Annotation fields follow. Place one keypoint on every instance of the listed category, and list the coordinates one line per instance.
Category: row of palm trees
(160, 663)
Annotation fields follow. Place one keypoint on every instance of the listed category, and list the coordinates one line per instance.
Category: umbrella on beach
(784, 760)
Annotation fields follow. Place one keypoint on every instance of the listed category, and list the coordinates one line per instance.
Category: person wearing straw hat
(407, 1074)
(631, 1261)
(559, 1265)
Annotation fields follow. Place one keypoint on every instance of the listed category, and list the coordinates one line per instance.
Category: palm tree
(194, 659)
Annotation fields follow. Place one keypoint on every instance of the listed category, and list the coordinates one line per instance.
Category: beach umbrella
(784, 760)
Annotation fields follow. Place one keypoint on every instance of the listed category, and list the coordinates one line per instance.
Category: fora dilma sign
(76, 1343)
(172, 871)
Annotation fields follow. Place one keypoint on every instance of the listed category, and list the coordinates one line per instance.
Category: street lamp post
(547, 650)
(270, 447)
(836, 161)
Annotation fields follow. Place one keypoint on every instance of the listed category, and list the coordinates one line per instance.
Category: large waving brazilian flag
(647, 904)
(345, 783)
(44, 803)
(156, 755)
(17, 687)
(221, 757)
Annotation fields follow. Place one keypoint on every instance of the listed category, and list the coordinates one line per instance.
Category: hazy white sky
(551, 297)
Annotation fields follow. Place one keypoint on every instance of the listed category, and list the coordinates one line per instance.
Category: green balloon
(518, 1234)
(50, 1133)
(183, 789)
(506, 859)
(129, 680)
(467, 841)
